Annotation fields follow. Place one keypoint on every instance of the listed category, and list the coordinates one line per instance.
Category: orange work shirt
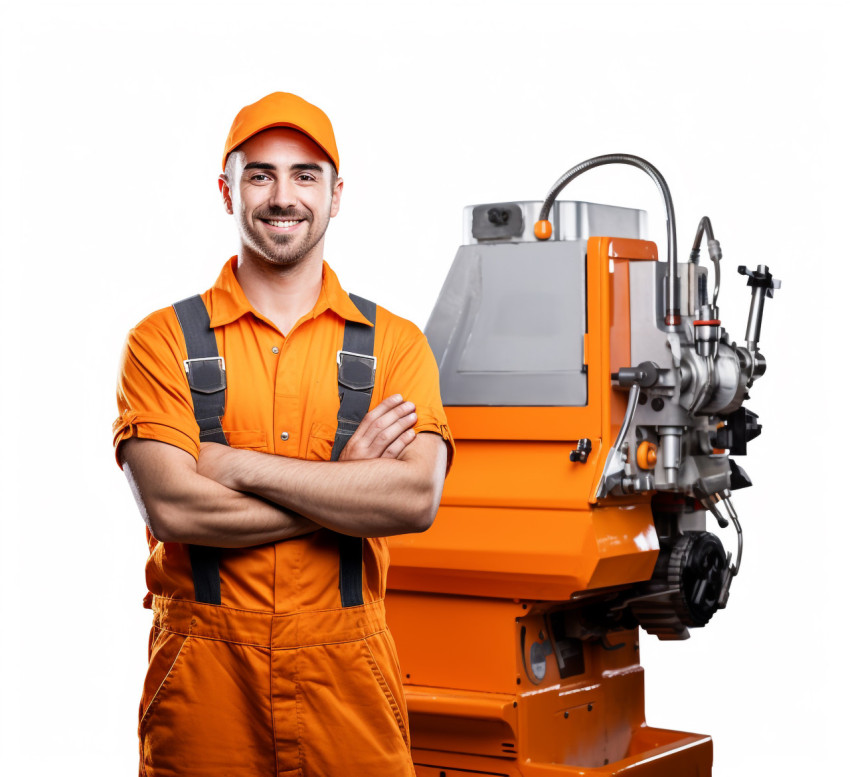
(282, 398)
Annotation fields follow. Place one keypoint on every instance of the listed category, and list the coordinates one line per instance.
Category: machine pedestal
(523, 689)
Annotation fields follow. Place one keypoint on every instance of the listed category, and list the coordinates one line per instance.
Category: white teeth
(283, 223)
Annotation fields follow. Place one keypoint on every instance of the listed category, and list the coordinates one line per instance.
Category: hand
(215, 461)
(384, 432)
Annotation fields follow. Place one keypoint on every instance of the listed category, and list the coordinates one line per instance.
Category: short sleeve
(154, 401)
(411, 371)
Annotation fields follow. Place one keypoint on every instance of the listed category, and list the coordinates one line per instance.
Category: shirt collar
(228, 301)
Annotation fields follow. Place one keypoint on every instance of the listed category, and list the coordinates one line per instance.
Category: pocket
(385, 668)
(321, 442)
(168, 652)
(246, 439)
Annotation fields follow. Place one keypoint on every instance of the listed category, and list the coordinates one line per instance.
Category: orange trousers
(243, 693)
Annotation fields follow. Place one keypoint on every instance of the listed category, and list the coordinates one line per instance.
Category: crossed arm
(388, 481)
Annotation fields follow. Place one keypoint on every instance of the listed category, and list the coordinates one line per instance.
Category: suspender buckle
(204, 359)
(356, 371)
(365, 356)
(206, 374)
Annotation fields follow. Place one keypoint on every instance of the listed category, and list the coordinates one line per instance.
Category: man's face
(282, 189)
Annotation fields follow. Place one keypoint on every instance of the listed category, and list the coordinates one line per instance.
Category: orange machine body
(501, 677)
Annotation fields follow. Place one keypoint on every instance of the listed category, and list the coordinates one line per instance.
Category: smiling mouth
(282, 223)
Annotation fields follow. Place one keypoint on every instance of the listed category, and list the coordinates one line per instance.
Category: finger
(372, 444)
(386, 437)
(371, 428)
(385, 406)
(400, 443)
(375, 414)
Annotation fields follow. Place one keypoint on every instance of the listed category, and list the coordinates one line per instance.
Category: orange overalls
(280, 678)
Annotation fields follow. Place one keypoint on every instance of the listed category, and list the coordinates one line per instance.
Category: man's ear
(335, 196)
(224, 188)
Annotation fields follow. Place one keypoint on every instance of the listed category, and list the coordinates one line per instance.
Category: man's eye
(306, 177)
(260, 177)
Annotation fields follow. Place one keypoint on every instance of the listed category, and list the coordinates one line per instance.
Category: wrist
(241, 469)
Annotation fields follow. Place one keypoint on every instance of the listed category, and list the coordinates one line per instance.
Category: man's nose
(283, 194)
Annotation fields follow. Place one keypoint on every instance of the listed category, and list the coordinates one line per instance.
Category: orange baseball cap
(281, 109)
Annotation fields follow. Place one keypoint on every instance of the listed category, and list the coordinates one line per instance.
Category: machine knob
(582, 450)
(498, 216)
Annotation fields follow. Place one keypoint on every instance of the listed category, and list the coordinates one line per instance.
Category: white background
(113, 119)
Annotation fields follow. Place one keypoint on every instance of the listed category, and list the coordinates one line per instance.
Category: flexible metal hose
(713, 252)
(704, 226)
(672, 318)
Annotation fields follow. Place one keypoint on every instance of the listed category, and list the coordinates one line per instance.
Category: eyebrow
(312, 166)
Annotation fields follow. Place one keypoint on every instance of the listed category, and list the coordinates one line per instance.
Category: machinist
(274, 430)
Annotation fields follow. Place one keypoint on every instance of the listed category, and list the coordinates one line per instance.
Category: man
(269, 653)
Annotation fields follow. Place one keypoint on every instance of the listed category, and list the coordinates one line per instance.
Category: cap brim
(288, 124)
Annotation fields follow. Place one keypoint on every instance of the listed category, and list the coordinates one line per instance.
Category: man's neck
(282, 293)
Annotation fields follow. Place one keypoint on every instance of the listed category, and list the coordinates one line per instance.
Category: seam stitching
(384, 686)
(165, 680)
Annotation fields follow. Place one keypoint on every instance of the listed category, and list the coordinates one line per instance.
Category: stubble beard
(283, 250)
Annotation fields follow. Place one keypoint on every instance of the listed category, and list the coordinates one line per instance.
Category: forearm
(368, 498)
(180, 505)
(208, 513)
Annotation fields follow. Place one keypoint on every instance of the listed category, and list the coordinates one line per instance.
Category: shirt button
(284, 436)
(275, 350)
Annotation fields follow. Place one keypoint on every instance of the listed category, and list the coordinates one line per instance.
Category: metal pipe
(756, 313)
(726, 497)
(673, 316)
(763, 285)
(670, 445)
(634, 395)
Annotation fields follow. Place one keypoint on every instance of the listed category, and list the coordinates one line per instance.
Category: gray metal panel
(508, 327)
(571, 220)
(581, 220)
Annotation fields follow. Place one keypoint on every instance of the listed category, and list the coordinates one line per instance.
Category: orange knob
(543, 229)
(647, 455)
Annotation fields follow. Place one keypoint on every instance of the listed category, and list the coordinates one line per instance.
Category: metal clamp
(187, 362)
(340, 354)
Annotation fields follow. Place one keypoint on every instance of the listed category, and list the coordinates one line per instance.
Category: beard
(281, 249)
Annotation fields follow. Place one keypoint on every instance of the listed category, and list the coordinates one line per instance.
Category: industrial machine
(596, 401)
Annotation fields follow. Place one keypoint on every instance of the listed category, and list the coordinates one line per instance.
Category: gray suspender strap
(205, 371)
(356, 378)
(207, 381)
(204, 368)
